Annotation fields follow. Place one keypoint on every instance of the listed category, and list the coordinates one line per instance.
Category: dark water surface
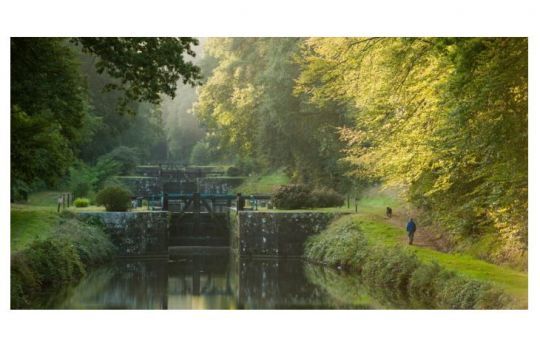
(216, 281)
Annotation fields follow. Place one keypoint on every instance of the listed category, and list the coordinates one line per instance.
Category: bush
(423, 284)
(299, 196)
(325, 197)
(92, 244)
(44, 265)
(81, 202)
(57, 261)
(114, 198)
(292, 197)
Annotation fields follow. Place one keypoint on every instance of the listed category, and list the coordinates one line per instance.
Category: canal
(196, 280)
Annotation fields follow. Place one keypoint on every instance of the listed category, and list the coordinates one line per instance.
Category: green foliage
(38, 149)
(114, 198)
(92, 244)
(249, 106)
(299, 196)
(81, 202)
(85, 181)
(325, 197)
(200, 155)
(49, 110)
(145, 67)
(29, 224)
(48, 264)
(296, 196)
(447, 117)
(126, 157)
(396, 275)
(263, 184)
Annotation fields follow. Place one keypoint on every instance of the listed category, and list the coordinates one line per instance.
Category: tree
(445, 117)
(48, 109)
(52, 117)
(249, 103)
(145, 67)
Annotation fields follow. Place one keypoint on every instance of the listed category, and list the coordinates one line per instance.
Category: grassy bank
(263, 184)
(49, 251)
(420, 277)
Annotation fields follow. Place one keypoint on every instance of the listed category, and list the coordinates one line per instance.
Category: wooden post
(355, 205)
(347, 201)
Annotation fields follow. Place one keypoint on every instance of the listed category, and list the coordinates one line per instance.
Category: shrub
(59, 260)
(299, 196)
(81, 202)
(295, 196)
(91, 243)
(423, 284)
(114, 198)
(325, 197)
(44, 265)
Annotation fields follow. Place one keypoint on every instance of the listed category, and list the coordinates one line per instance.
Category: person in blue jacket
(411, 228)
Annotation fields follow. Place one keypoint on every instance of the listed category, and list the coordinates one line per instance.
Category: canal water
(215, 281)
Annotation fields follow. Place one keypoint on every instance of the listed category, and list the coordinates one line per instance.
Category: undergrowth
(60, 259)
(398, 276)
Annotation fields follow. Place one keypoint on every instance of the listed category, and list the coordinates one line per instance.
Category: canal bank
(413, 276)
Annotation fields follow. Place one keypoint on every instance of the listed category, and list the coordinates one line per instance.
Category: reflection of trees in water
(345, 290)
(217, 282)
(275, 283)
(130, 285)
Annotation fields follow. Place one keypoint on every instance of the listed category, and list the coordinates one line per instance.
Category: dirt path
(425, 236)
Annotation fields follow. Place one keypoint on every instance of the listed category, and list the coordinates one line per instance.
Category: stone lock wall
(275, 233)
(134, 233)
(141, 186)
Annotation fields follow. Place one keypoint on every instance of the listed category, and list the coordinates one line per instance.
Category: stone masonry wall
(134, 233)
(275, 233)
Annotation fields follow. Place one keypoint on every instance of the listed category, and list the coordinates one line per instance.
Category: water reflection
(218, 281)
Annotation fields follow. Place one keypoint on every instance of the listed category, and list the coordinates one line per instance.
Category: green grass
(370, 219)
(29, 224)
(263, 184)
(36, 219)
(343, 210)
(44, 198)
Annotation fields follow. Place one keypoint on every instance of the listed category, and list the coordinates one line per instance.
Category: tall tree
(51, 114)
(446, 117)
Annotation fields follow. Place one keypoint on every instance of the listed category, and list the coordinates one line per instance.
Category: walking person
(411, 228)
